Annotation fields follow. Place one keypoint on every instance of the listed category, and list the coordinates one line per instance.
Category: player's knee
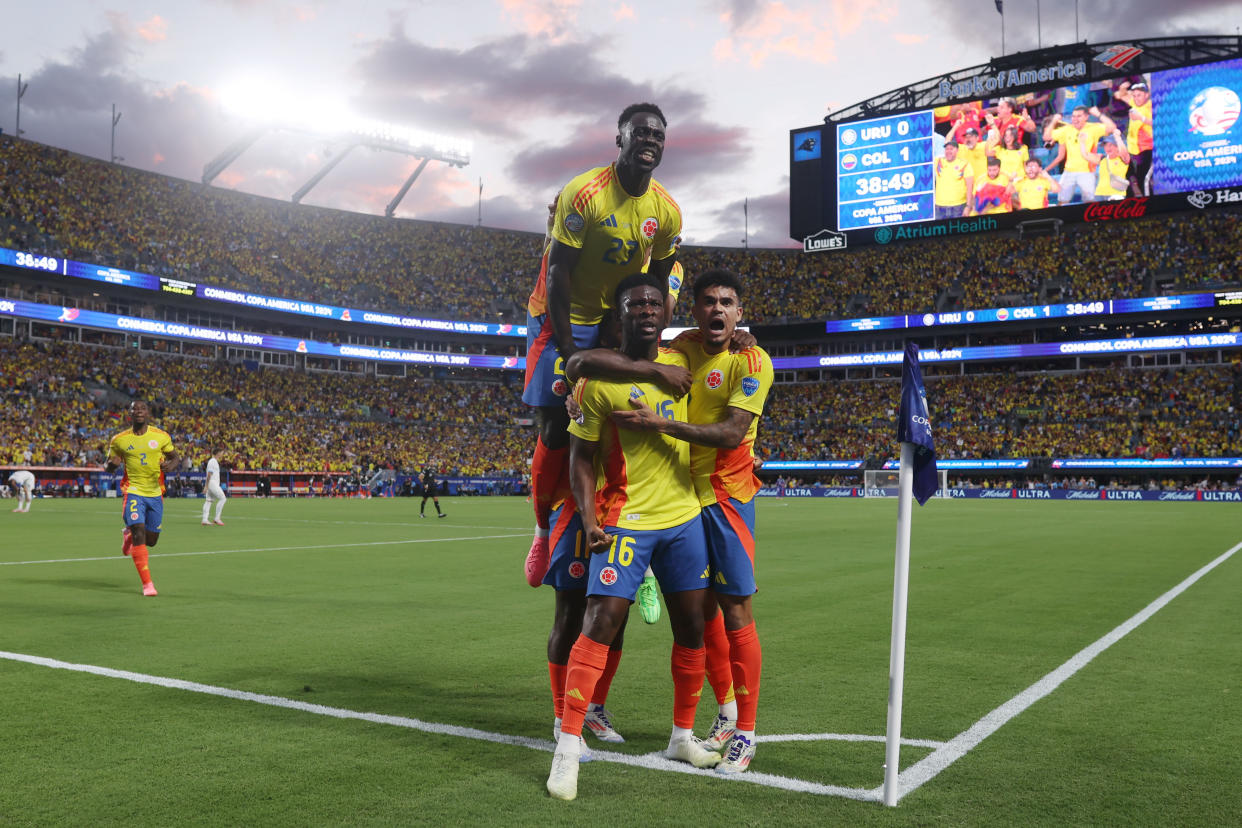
(737, 611)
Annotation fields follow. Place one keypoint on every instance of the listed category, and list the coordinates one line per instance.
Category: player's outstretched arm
(601, 363)
(582, 484)
(561, 261)
(727, 433)
(169, 463)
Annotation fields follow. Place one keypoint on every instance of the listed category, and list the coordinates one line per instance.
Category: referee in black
(429, 491)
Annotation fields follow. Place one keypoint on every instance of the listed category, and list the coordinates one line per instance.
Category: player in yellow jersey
(1030, 192)
(726, 402)
(146, 453)
(643, 511)
(609, 222)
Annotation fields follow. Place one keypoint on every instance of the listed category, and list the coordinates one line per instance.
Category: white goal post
(878, 483)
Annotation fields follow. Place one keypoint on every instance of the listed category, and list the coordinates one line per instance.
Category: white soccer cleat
(737, 757)
(584, 752)
(600, 724)
(691, 750)
(563, 779)
(720, 733)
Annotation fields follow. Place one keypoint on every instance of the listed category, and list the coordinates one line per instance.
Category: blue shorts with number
(545, 370)
(144, 511)
(567, 568)
(677, 556)
(730, 529)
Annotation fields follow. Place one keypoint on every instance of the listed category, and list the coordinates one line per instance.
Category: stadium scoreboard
(870, 177)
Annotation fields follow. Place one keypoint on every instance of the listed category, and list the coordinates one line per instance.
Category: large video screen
(1171, 131)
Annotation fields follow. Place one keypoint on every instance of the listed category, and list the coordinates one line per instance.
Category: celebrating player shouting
(147, 453)
(609, 222)
(646, 514)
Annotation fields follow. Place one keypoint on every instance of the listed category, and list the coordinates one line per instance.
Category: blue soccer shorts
(545, 370)
(144, 511)
(730, 529)
(677, 556)
(567, 568)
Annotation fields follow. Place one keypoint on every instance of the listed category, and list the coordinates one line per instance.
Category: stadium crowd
(61, 403)
(56, 203)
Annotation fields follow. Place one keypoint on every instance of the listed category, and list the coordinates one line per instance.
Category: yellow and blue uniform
(617, 234)
(142, 483)
(644, 496)
(724, 479)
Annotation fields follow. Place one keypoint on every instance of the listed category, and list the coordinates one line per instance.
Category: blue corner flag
(914, 425)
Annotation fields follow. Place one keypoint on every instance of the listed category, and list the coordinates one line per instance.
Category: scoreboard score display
(871, 178)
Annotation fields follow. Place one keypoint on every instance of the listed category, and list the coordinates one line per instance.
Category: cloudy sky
(536, 85)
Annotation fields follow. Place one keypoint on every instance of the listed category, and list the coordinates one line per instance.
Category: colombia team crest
(608, 576)
(714, 378)
(650, 226)
(576, 569)
(559, 387)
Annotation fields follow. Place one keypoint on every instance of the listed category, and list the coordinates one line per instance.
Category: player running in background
(609, 222)
(146, 453)
(22, 483)
(429, 491)
(646, 513)
(212, 491)
(725, 405)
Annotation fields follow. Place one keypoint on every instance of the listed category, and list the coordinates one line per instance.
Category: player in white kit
(212, 491)
(22, 483)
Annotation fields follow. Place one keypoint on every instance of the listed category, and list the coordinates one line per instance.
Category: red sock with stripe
(546, 471)
(689, 667)
(605, 680)
(556, 677)
(747, 660)
(719, 665)
(587, 661)
(139, 553)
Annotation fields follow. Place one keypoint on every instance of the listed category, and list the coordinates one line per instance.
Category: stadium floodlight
(270, 107)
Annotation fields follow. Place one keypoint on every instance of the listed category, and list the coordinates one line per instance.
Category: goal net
(877, 483)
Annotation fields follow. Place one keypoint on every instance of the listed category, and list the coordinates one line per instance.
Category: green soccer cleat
(648, 600)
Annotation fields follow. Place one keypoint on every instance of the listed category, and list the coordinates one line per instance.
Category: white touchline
(927, 768)
(271, 549)
(649, 761)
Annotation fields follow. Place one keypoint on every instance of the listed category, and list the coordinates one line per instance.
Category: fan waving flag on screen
(914, 425)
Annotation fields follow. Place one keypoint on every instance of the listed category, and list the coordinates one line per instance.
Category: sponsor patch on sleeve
(574, 223)
(749, 386)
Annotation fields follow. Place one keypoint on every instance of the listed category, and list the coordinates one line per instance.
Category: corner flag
(914, 426)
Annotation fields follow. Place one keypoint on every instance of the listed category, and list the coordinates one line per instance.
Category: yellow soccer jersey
(618, 235)
(977, 158)
(642, 478)
(1032, 192)
(142, 455)
(723, 381)
(1013, 162)
(1110, 167)
(950, 177)
(1066, 134)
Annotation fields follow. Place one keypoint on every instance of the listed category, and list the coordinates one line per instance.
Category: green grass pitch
(363, 606)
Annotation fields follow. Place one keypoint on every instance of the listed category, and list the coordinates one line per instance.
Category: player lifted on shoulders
(645, 513)
(212, 491)
(609, 222)
(726, 402)
(22, 482)
(146, 453)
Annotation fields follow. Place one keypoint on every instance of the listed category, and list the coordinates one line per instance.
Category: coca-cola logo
(1127, 208)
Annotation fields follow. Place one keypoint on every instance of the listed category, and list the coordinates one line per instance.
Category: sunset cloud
(805, 31)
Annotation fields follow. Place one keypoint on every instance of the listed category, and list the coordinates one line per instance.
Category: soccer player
(954, 181)
(429, 491)
(1030, 192)
(646, 513)
(22, 482)
(212, 491)
(609, 222)
(147, 453)
(725, 405)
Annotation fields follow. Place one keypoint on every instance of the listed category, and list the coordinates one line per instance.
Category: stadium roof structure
(383, 137)
(1137, 57)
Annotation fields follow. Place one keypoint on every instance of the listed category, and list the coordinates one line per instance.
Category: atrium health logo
(883, 235)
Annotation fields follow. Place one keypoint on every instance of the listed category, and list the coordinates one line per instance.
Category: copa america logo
(1214, 110)
(848, 137)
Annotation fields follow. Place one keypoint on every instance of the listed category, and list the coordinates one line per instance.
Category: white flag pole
(897, 649)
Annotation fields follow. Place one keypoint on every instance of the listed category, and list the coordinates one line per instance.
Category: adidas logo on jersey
(611, 221)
